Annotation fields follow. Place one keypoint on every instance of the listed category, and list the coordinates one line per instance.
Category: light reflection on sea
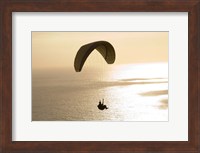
(135, 92)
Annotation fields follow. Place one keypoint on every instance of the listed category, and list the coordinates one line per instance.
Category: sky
(58, 49)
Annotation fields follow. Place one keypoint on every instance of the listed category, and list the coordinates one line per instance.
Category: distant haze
(58, 49)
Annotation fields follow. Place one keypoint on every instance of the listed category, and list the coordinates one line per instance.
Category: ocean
(132, 92)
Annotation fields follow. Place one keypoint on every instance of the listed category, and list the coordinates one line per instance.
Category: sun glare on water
(138, 92)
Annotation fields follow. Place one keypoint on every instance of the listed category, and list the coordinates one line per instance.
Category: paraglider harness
(101, 106)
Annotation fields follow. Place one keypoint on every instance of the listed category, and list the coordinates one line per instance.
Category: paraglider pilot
(101, 106)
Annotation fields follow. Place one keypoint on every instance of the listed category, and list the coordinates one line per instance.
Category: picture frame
(7, 7)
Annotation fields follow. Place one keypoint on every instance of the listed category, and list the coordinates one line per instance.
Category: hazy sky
(58, 49)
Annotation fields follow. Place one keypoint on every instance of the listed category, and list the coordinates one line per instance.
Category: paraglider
(103, 47)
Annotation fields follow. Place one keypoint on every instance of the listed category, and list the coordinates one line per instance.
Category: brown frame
(9, 6)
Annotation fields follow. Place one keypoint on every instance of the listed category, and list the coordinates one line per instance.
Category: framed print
(99, 76)
(97, 82)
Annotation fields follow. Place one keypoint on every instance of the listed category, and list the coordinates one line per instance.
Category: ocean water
(132, 92)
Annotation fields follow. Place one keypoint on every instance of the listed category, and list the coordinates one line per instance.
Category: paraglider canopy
(103, 47)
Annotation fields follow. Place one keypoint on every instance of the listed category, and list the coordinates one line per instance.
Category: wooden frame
(9, 6)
